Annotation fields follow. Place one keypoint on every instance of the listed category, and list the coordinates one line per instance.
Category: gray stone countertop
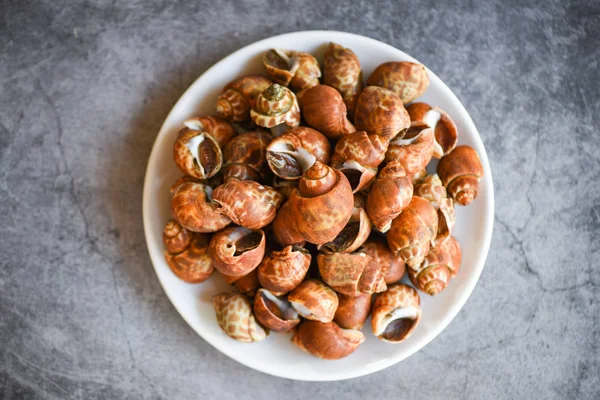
(84, 90)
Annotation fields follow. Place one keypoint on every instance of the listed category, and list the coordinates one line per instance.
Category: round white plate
(276, 355)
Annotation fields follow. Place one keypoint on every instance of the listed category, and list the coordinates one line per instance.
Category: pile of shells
(308, 191)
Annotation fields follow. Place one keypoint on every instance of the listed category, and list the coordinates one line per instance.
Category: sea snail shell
(406, 79)
(234, 316)
(197, 153)
(273, 312)
(342, 71)
(396, 313)
(440, 265)
(292, 68)
(327, 340)
(389, 195)
(281, 271)
(413, 231)
(295, 151)
(414, 150)
(380, 112)
(324, 110)
(445, 132)
(248, 203)
(460, 172)
(314, 300)
(239, 96)
(193, 208)
(237, 250)
(186, 253)
(351, 274)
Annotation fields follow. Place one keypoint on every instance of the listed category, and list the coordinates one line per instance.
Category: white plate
(276, 355)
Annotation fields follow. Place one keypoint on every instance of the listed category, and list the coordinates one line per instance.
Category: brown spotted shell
(235, 318)
(318, 211)
(327, 340)
(237, 250)
(351, 273)
(314, 300)
(342, 71)
(358, 155)
(295, 151)
(239, 96)
(460, 172)
(354, 234)
(274, 313)
(244, 156)
(186, 253)
(276, 105)
(197, 153)
(281, 271)
(248, 203)
(414, 150)
(396, 313)
(380, 112)
(408, 80)
(176, 238)
(392, 266)
(353, 311)
(440, 265)
(219, 128)
(445, 132)
(193, 208)
(413, 231)
(389, 195)
(292, 68)
(430, 188)
(324, 110)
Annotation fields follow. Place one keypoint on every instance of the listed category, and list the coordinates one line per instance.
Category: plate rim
(479, 261)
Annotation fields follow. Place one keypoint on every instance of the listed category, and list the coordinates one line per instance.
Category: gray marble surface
(83, 91)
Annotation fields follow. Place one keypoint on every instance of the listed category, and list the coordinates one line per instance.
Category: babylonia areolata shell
(440, 265)
(219, 128)
(445, 132)
(274, 313)
(197, 153)
(327, 340)
(318, 211)
(389, 195)
(413, 231)
(430, 188)
(292, 68)
(380, 112)
(392, 266)
(353, 311)
(244, 156)
(239, 96)
(281, 271)
(414, 150)
(314, 300)
(460, 172)
(193, 208)
(234, 316)
(408, 80)
(354, 234)
(324, 110)
(248, 203)
(342, 71)
(237, 250)
(396, 313)
(358, 155)
(276, 105)
(186, 253)
(295, 151)
(351, 273)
